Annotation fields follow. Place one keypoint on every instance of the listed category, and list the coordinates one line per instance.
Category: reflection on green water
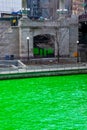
(46, 103)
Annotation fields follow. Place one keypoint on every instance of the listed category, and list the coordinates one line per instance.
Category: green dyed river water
(46, 103)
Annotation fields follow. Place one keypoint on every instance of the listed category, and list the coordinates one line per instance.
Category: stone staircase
(11, 63)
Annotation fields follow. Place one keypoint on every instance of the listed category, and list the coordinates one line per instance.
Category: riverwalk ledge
(42, 70)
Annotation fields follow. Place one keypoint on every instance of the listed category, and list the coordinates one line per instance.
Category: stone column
(73, 37)
(24, 33)
(64, 41)
(56, 42)
(31, 43)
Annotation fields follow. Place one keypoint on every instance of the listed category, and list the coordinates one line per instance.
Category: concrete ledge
(40, 73)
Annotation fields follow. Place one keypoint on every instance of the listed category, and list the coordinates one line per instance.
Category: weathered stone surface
(9, 40)
(65, 29)
(13, 40)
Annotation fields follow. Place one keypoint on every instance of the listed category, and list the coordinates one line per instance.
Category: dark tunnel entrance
(83, 41)
(43, 46)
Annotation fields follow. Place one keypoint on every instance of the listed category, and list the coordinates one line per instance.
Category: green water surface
(46, 103)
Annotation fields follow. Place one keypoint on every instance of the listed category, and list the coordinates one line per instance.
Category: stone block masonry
(13, 38)
(65, 40)
(9, 40)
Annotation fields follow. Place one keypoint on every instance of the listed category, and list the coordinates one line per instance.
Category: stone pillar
(64, 41)
(73, 37)
(31, 43)
(20, 39)
(24, 33)
(56, 42)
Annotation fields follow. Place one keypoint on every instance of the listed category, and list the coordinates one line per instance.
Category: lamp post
(28, 46)
(77, 51)
(62, 11)
(25, 11)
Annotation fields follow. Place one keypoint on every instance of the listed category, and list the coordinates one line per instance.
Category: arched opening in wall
(83, 40)
(43, 46)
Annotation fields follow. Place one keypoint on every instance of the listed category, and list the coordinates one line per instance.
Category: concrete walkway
(49, 67)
